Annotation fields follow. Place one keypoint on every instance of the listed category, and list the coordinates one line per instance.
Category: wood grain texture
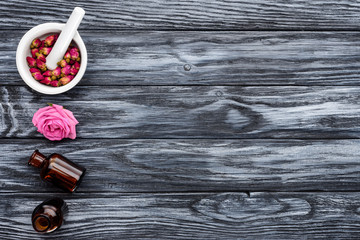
(191, 216)
(187, 14)
(190, 165)
(169, 158)
(208, 58)
(192, 112)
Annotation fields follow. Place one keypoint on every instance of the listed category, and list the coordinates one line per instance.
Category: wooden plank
(187, 14)
(192, 112)
(191, 216)
(190, 165)
(209, 58)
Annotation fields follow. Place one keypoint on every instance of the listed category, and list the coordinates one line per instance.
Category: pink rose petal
(55, 122)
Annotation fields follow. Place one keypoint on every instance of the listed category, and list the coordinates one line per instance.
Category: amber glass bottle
(49, 215)
(58, 170)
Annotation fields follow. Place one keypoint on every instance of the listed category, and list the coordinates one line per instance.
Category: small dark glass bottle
(49, 215)
(58, 170)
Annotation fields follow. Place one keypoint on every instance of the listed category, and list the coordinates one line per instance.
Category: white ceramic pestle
(65, 38)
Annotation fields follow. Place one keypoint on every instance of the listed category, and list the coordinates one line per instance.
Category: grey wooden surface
(188, 14)
(198, 120)
(226, 215)
(190, 165)
(209, 57)
(194, 111)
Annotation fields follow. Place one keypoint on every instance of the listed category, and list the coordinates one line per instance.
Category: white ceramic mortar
(42, 31)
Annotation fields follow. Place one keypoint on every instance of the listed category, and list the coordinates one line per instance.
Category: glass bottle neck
(37, 159)
(41, 223)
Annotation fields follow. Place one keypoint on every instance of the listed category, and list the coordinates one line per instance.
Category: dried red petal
(35, 43)
(56, 72)
(34, 51)
(67, 56)
(46, 50)
(34, 70)
(77, 65)
(65, 80)
(38, 76)
(48, 73)
(62, 63)
(73, 70)
(74, 53)
(54, 83)
(41, 57)
(41, 65)
(66, 70)
(46, 80)
(50, 40)
(31, 62)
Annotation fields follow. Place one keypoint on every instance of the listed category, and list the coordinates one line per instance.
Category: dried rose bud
(46, 50)
(46, 80)
(41, 65)
(41, 57)
(31, 61)
(73, 70)
(34, 70)
(50, 40)
(54, 83)
(75, 49)
(76, 65)
(56, 72)
(71, 77)
(54, 77)
(66, 70)
(74, 54)
(34, 51)
(71, 62)
(35, 43)
(47, 73)
(62, 63)
(67, 57)
(65, 80)
(38, 76)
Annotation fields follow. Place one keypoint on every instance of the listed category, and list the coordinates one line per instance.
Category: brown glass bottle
(58, 170)
(49, 215)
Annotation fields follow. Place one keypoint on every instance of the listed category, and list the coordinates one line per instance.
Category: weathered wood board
(226, 215)
(198, 120)
(193, 111)
(115, 165)
(208, 58)
(187, 14)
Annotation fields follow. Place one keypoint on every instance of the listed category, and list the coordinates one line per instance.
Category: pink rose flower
(55, 122)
